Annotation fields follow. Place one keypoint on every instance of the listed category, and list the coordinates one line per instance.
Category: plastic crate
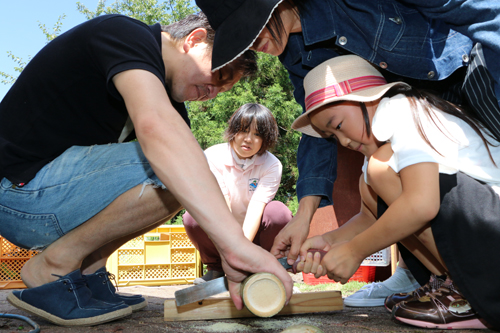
(363, 274)
(12, 259)
(163, 256)
(380, 258)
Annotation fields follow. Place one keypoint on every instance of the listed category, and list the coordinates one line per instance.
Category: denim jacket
(397, 38)
(477, 19)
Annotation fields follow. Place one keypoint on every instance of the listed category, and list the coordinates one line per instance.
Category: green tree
(148, 11)
(20, 63)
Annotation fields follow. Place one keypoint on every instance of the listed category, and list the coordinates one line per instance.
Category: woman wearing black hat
(401, 41)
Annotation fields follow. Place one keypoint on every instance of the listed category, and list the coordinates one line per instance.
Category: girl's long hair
(275, 24)
(428, 101)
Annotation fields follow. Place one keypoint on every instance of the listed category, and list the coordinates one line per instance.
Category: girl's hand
(316, 242)
(310, 263)
(341, 262)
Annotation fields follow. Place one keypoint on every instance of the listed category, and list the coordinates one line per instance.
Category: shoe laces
(423, 289)
(75, 283)
(369, 287)
(446, 288)
(110, 276)
(431, 286)
(435, 282)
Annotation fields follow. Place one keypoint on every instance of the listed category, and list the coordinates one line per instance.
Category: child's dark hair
(429, 101)
(275, 24)
(242, 119)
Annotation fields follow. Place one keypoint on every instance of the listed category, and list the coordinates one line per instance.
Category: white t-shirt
(459, 147)
(259, 181)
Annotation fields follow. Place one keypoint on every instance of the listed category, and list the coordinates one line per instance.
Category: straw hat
(343, 78)
(237, 24)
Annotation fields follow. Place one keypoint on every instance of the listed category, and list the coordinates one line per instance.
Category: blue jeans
(69, 191)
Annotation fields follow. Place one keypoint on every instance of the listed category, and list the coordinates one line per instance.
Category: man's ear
(196, 36)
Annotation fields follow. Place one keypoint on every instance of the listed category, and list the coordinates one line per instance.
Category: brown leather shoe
(433, 284)
(446, 308)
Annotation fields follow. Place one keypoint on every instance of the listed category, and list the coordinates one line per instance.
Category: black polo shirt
(65, 96)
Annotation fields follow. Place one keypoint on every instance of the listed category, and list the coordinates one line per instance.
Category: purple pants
(276, 215)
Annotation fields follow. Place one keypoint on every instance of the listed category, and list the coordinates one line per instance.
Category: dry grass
(347, 289)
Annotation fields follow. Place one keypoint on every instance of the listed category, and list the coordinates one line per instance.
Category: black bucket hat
(237, 23)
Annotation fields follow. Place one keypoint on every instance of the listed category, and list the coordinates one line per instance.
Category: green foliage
(347, 289)
(293, 204)
(56, 31)
(177, 219)
(148, 11)
(8, 78)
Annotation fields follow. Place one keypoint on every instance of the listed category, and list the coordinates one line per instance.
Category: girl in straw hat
(430, 181)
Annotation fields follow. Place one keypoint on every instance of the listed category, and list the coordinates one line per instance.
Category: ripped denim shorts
(69, 191)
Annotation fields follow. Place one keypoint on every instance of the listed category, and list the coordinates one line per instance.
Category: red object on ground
(363, 274)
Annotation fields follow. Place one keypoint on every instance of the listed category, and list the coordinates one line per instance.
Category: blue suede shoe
(67, 302)
(103, 290)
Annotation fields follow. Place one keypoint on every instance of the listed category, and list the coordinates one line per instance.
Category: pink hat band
(343, 88)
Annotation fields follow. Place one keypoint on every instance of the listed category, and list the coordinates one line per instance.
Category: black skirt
(467, 235)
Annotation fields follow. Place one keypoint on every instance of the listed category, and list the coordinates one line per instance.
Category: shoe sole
(364, 303)
(139, 306)
(91, 321)
(466, 324)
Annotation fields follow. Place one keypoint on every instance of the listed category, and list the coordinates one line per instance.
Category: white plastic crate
(380, 258)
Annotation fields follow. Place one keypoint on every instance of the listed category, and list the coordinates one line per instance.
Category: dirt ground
(375, 319)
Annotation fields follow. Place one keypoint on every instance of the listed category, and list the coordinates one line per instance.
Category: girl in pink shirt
(249, 177)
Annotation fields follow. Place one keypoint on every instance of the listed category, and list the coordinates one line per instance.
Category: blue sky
(19, 31)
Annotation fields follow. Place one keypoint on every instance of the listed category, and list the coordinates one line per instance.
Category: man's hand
(247, 257)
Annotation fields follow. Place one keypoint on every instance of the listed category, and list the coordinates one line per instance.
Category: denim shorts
(69, 191)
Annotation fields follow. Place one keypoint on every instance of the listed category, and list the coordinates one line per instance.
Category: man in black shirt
(70, 187)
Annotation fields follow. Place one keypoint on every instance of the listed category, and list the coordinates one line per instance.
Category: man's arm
(178, 161)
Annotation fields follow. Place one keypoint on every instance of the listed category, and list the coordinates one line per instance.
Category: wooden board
(223, 307)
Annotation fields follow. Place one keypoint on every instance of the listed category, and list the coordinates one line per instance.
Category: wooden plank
(223, 307)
